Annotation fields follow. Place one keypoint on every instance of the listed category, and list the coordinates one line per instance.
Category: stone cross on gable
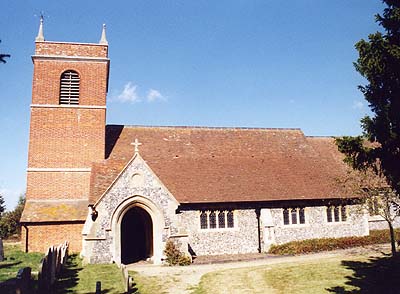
(136, 144)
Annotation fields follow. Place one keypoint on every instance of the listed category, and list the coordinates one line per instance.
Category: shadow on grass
(68, 278)
(9, 264)
(377, 275)
(8, 286)
(134, 290)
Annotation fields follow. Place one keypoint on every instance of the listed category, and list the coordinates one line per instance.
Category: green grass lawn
(346, 274)
(148, 285)
(373, 274)
(16, 259)
(75, 278)
(80, 279)
(332, 275)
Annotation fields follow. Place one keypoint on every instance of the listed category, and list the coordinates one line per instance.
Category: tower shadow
(376, 275)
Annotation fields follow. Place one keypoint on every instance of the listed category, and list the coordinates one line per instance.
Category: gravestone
(98, 287)
(23, 281)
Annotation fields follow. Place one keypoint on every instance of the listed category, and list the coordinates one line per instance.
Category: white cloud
(358, 105)
(129, 94)
(153, 95)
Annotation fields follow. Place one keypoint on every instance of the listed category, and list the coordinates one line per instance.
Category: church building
(118, 193)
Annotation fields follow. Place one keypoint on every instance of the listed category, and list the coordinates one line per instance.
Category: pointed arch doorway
(136, 235)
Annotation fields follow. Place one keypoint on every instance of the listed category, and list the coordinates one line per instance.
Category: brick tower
(67, 134)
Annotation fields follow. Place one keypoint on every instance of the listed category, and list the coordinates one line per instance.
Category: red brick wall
(57, 185)
(40, 237)
(66, 137)
(62, 136)
(71, 49)
(46, 81)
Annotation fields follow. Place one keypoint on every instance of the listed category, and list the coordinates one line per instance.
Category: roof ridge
(208, 127)
(321, 137)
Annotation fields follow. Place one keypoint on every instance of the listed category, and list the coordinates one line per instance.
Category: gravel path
(181, 279)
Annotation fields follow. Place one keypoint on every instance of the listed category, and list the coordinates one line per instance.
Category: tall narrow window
(203, 220)
(286, 220)
(329, 214)
(229, 219)
(374, 206)
(221, 219)
(213, 220)
(294, 216)
(336, 212)
(343, 213)
(69, 87)
(302, 216)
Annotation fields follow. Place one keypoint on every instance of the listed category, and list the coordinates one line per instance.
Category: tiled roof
(226, 164)
(54, 210)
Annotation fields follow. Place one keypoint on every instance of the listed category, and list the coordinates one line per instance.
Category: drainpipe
(258, 229)
(26, 238)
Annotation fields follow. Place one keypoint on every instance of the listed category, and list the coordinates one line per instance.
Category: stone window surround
(298, 225)
(333, 222)
(217, 229)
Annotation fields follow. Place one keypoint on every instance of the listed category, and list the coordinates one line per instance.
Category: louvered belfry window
(69, 87)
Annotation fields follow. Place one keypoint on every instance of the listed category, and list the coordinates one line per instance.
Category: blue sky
(285, 64)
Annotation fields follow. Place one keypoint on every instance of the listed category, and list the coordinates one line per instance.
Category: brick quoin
(64, 139)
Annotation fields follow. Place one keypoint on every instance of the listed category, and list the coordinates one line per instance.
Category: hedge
(327, 244)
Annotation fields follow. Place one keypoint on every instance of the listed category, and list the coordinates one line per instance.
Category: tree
(2, 205)
(376, 196)
(9, 221)
(379, 63)
(378, 149)
(3, 56)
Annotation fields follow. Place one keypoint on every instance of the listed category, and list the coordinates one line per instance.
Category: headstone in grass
(52, 268)
(98, 287)
(58, 260)
(23, 281)
(1, 250)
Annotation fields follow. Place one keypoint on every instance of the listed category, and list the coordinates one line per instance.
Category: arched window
(229, 219)
(286, 219)
(213, 220)
(203, 220)
(69, 87)
(221, 219)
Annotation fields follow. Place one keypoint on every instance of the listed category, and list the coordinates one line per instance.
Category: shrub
(9, 221)
(327, 244)
(174, 256)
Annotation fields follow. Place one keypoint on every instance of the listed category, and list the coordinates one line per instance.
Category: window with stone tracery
(217, 219)
(230, 219)
(336, 213)
(294, 216)
(203, 220)
(221, 219)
